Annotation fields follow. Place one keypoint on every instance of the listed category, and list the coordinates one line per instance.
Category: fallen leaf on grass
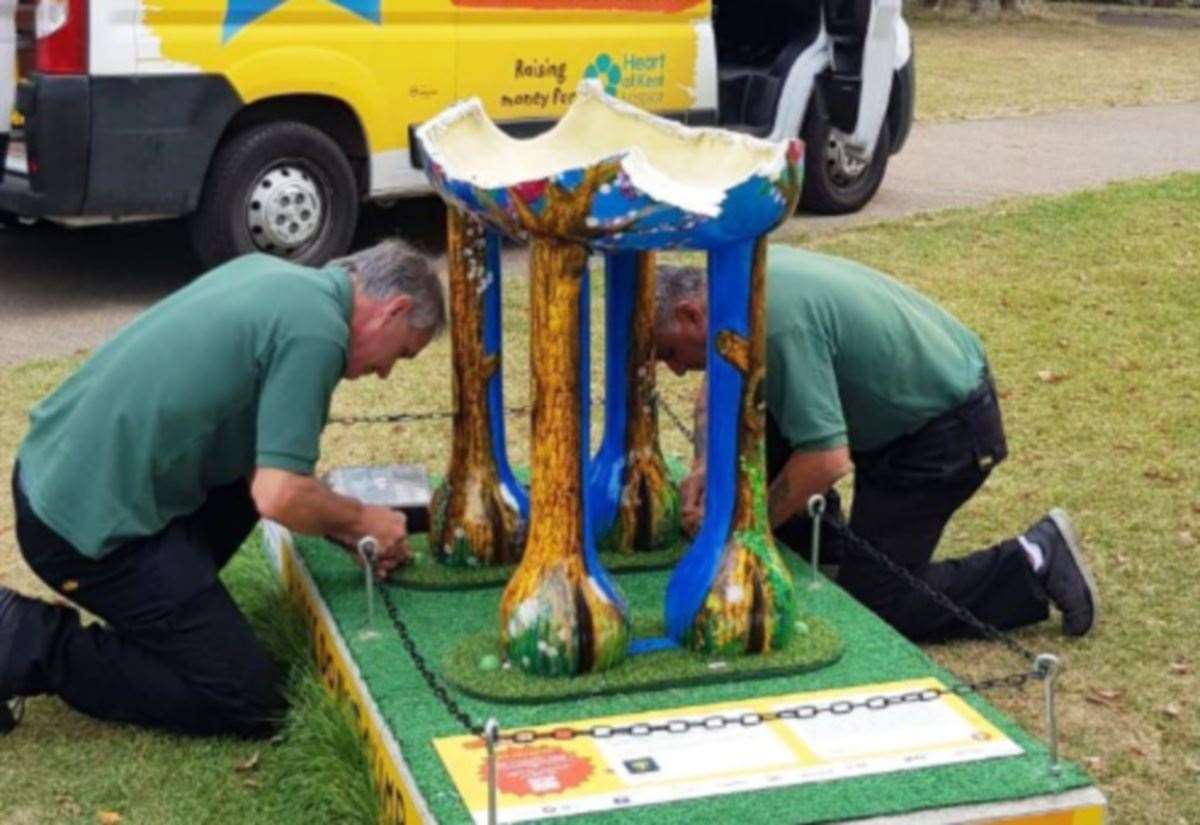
(249, 765)
(1181, 668)
(1137, 751)
(69, 806)
(1171, 710)
(1051, 377)
(1196, 506)
(108, 818)
(1094, 763)
(1186, 538)
(1103, 696)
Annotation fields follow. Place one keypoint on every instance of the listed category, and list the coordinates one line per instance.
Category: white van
(267, 122)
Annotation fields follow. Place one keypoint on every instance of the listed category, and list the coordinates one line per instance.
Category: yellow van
(268, 122)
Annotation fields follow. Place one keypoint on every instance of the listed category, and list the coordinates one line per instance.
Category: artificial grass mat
(814, 645)
(873, 653)
(426, 573)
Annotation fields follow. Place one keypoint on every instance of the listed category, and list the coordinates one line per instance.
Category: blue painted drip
(608, 468)
(495, 388)
(652, 645)
(728, 308)
(590, 555)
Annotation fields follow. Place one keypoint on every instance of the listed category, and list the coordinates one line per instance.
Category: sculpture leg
(476, 519)
(636, 505)
(560, 614)
(732, 592)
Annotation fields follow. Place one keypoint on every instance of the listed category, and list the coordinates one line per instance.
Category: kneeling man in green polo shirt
(143, 473)
(863, 373)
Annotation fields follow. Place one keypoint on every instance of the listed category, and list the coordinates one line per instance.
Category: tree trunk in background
(752, 602)
(648, 513)
(474, 523)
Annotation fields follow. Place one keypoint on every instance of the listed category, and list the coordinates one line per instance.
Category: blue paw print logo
(606, 71)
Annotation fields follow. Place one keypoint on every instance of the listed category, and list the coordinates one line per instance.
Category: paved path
(61, 290)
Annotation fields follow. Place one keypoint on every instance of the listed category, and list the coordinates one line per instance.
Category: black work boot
(11, 707)
(1065, 574)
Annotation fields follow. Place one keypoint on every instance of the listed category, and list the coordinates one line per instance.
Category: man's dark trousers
(176, 652)
(904, 494)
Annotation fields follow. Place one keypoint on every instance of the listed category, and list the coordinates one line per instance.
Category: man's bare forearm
(806, 474)
(304, 505)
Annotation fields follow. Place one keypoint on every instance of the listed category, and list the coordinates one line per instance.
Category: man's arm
(805, 475)
(304, 505)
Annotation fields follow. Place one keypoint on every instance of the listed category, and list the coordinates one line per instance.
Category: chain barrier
(435, 685)
(1039, 670)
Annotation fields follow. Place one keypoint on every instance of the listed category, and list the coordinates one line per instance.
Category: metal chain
(796, 713)
(676, 420)
(708, 723)
(988, 631)
(435, 685)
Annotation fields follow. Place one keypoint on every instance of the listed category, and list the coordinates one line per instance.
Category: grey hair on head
(391, 268)
(674, 284)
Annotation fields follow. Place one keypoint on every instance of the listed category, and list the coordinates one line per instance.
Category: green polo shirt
(855, 358)
(232, 372)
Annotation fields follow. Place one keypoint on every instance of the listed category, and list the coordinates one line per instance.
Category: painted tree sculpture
(614, 179)
(636, 505)
(479, 510)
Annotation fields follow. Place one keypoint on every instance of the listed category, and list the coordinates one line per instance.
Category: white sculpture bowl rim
(748, 156)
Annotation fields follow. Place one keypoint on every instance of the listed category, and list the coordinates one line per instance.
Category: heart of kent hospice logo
(604, 69)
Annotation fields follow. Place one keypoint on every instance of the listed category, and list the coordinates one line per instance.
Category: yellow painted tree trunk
(751, 604)
(648, 512)
(556, 618)
(474, 521)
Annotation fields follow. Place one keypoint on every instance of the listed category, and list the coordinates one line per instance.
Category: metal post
(816, 508)
(1046, 665)
(491, 733)
(368, 547)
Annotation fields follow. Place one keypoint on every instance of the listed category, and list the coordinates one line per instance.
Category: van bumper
(114, 146)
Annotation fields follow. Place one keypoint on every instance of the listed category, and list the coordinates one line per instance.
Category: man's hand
(691, 502)
(390, 529)
(304, 505)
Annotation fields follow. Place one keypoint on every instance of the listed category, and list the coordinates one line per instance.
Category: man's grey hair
(392, 268)
(675, 284)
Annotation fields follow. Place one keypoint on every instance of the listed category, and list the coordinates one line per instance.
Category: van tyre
(283, 188)
(833, 183)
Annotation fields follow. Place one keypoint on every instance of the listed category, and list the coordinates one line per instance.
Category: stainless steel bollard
(1047, 665)
(816, 509)
(491, 733)
(368, 548)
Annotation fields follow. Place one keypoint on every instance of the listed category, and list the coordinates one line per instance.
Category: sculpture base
(469, 665)
(401, 719)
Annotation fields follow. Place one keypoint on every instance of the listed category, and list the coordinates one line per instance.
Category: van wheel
(283, 188)
(834, 182)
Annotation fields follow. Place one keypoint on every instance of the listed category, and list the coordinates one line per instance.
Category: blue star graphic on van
(241, 13)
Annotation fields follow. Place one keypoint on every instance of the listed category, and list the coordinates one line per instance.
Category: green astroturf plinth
(872, 653)
(814, 645)
(426, 573)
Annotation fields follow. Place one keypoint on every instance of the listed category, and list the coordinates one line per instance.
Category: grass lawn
(1088, 307)
(1060, 58)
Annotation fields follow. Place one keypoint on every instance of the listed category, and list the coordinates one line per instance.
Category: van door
(8, 74)
(525, 60)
